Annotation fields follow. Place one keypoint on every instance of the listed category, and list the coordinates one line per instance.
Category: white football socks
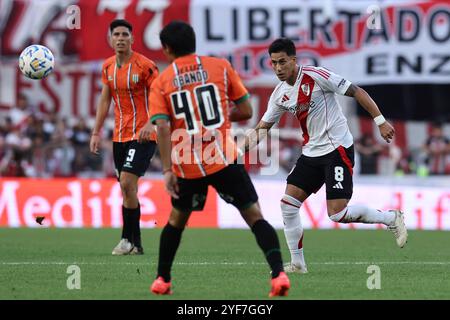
(293, 229)
(364, 214)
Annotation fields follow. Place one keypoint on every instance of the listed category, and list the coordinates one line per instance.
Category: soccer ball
(36, 62)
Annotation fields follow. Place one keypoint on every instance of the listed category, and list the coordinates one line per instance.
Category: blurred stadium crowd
(33, 144)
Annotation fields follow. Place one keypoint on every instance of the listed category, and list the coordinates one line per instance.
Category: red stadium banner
(147, 17)
(51, 23)
(402, 41)
(88, 203)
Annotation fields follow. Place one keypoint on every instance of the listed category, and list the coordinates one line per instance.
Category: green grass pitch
(222, 264)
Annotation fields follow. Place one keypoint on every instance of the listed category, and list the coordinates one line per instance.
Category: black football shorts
(335, 169)
(232, 184)
(133, 157)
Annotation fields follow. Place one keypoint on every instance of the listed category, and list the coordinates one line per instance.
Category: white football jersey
(313, 101)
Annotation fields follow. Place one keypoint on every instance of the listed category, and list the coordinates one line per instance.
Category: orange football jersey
(130, 87)
(194, 94)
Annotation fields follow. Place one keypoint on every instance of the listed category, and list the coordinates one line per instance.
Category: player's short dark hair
(282, 45)
(179, 36)
(120, 23)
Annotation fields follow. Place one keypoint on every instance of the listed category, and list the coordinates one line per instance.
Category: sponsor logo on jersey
(301, 107)
(298, 108)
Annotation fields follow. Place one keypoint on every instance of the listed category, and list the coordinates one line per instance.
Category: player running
(190, 101)
(327, 155)
(126, 78)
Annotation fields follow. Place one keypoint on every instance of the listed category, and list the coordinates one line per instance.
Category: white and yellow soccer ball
(36, 62)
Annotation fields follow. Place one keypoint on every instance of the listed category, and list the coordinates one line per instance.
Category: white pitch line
(13, 263)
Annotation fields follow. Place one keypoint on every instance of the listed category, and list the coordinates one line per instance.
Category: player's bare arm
(242, 111)
(102, 112)
(165, 150)
(256, 135)
(364, 99)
